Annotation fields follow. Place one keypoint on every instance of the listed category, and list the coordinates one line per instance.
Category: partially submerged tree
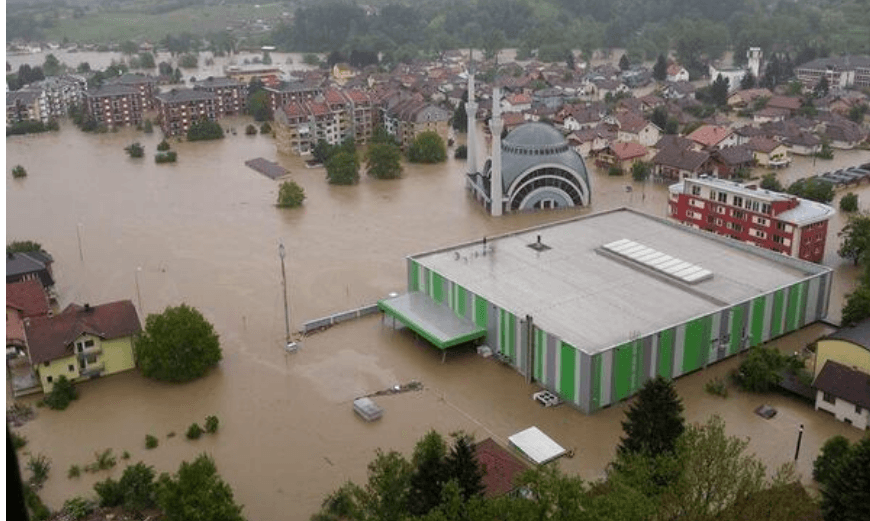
(342, 169)
(654, 421)
(855, 238)
(197, 493)
(428, 147)
(384, 161)
(290, 195)
(177, 345)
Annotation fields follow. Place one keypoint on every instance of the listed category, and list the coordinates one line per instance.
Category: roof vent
(88, 308)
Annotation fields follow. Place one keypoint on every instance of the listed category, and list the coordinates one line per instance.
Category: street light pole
(797, 448)
(79, 235)
(138, 294)
(288, 345)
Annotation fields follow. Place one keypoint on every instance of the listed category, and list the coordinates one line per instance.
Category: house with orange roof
(517, 103)
(621, 155)
(712, 137)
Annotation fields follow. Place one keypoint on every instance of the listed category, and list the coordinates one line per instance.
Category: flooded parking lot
(205, 231)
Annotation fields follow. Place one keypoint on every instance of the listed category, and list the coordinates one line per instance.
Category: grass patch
(717, 387)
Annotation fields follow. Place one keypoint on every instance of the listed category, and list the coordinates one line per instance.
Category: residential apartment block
(843, 72)
(334, 116)
(775, 221)
(179, 108)
(114, 105)
(409, 118)
(292, 91)
(230, 94)
(145, 86)
(48, 99)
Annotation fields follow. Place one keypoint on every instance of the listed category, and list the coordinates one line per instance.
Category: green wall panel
(595, 401)
(540, 342)
(697, 337)
(622, 361)
(480, 311)
(414, 277)
(757, 328)
(437, 288)
(737, 319)
(666, 353)
(567, 369)
(776, 320)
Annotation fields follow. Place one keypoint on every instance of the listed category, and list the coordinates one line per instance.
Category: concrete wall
(595, 381)
(843, 410)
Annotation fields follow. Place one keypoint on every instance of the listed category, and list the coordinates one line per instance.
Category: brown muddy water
(205, 231)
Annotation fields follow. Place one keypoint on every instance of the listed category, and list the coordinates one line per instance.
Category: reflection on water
(205, 231)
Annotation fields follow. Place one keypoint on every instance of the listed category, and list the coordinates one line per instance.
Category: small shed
(367, 409)
(536, 446)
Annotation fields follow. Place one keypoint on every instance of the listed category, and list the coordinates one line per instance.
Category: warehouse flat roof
(594, 299)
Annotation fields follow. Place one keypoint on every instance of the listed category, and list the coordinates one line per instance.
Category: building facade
(287, 92)
(409, 118)
(842, 72)
(535, 310)
(230, 95)
(775, 221)
(334, 116)
(178, 109)
(144, 85)
(114, 105)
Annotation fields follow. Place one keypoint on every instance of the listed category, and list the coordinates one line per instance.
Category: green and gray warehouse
(592, 307)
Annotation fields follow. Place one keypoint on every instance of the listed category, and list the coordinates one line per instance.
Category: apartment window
(738, 201)
(49, 379)
(70, 368)
(858, 409)
(828, 397)
(755, 206)
(765, 208)
(739, 214)
(720, 210)
(712, 195)
(722, 197)
(778, 239)
(46, 364)
(696, 190)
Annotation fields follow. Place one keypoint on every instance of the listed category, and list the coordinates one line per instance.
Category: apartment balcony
(92, 369)
(89, 351)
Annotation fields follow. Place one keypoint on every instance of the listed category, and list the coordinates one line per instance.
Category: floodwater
(205, 231)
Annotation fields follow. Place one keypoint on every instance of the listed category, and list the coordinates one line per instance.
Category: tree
(23, 247)
(188, 61)
(748, 81)
(146, 60)
(52, 66)
(822, 87)
(624, 63)
(177, 345)
(832, 455)
(342, 168)
(137, 487)
(197, 493)
(461, 152)
(813, 189)
(640, 171)
(654, 421)
(18, 172)
(385, 496)
(847, 495)
(493, 42)
(290, 195)
(428, 147)
(855, 238)
(857, 306)
(204, 130)
(460, 118)
(462, 466)
(62, 393)
(770, 182)
(719, 91)
(129, 47)
(260, 106)
(429, 475)
(135, 150)
(762, 369)
(163, 146)
(849, 202)
(660, 69)
(384, 161)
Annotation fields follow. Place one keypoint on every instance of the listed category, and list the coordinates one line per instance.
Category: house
(591, 141)
(22, 266)
(500, 468)
(675, 163)
(678, 90)
(747, 97)
(621, 155)
(634, 128)
(712, 137)
(770, 114)
(769, 152)
(24, 300)
(677, 73)
(844, 135)
(516, 103)
(730, 161)
(789, 103)
(844, 392)
(849, 346)
(82, 342)
(24, 105)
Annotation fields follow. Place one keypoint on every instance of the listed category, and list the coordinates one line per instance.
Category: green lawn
(114, 27)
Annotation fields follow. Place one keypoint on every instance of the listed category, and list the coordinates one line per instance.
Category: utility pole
(797, 448)
(79, 235)
(288, 345)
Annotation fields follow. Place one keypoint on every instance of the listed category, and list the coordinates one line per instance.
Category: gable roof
(28, 297)
(763, 144)
(709, 135)
(844, 382)
(500, 467)
(735, 155)
(681, 158)
(858, 334)
(50, 337)
(627, 150)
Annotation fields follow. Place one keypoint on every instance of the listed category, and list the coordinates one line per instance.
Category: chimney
(88, 308)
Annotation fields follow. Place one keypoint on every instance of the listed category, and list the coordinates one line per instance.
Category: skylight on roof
(657, 261)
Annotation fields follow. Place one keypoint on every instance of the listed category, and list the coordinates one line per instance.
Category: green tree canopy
(849, 202)
(770, 182)
(660, 69)
(813, 189)
(342, 168)
(428, 147)
(23, 246)
(138, 487)
(260, 106)
(463, 467)
(460, 118)
(177, 345)
(654, 421)
(204, 130)
(290, 195)
(197, 493)
(761, 370)
(429, 475)
(833, 453)
(855, 238)
(847, 494)
(384, 161)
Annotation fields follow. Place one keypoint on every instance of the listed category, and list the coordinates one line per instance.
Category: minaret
(471, 110)
(753, 57)
(496, 191)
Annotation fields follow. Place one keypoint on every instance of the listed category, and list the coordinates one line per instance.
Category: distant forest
(698, 30)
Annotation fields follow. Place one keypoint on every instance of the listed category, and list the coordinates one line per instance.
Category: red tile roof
(500, 467)
(50, 338)
(624, 151)
(28, 297)
(709, 135)
(334, 97)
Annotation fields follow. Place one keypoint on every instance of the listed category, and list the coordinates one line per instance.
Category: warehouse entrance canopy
(536, 445)
(434, 322)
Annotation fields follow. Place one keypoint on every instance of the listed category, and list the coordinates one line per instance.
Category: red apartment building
(180, 108)
(775, 221)
(114, 105)
(230, 95)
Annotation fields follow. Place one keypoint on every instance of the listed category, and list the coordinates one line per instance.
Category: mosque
(532, 168)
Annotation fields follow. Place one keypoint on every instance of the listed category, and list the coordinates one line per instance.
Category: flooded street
(205, 231)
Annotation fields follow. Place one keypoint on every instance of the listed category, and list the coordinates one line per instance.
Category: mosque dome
(540, 170)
